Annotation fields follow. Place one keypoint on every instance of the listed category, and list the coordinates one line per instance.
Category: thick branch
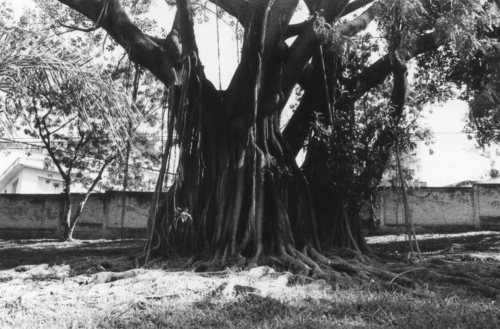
(305, 44)
(296, 130)
(235, 8)
(254, 50)
(380, 70)
(380, 151)
(184, 23)
(142, 49)
(296, 29)
(327, 7)
(355, 5)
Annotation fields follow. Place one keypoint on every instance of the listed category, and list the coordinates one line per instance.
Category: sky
(454, 158)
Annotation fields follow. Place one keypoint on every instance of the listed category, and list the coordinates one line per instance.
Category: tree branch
(296, 130)
(91, 188)
(279, 16)
(380, 151)
(235, 8)
(184, 23)
(81, 142)
(295, 29)
(303, 47)
(78, 28)
(380, 70)
(141, 48)
(46, 141)
(355, 5)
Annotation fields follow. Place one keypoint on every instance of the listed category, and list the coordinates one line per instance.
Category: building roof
(491, 181)
(16, 167)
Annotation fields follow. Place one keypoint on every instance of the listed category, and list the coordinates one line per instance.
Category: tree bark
(231, 196)
(67, 228)
(157, 55)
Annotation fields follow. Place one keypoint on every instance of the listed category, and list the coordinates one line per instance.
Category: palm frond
(25, 56)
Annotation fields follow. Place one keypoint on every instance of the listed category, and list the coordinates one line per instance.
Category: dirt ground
(95, 284)
(81, 255)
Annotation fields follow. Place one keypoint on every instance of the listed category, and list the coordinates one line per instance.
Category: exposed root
(106, 277)
(292, 263)
(207, 266)
(342, 272)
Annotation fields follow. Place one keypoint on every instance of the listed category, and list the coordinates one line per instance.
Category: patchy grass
(81, 292)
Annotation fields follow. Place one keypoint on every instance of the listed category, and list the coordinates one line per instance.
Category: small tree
(80, 149)
(80, 116)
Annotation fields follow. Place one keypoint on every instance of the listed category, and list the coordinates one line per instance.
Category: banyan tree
(239, 194)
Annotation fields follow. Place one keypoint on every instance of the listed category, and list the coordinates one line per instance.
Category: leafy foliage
(28, 57)
(77, 145)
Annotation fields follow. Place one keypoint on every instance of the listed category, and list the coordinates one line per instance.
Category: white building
(29, 176)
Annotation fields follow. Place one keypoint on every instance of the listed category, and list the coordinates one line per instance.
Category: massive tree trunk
(235, 169)
(342, 181)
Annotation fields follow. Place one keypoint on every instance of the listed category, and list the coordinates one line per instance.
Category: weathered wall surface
(39, 215)
(27, 211)
(488, 204)
(428, 206)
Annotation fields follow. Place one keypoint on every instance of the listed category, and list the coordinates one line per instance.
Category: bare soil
(95, 284)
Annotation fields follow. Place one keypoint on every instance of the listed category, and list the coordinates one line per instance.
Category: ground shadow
(15, 253)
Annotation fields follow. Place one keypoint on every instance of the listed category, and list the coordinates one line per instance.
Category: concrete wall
(474, 207)
(39, 215)
(429, 207)
(488, 205)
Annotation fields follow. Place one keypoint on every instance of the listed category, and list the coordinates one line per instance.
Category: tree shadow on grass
(34, 252)
(350, 309)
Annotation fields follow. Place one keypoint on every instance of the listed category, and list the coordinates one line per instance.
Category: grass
(55, 296)
(346, 309)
